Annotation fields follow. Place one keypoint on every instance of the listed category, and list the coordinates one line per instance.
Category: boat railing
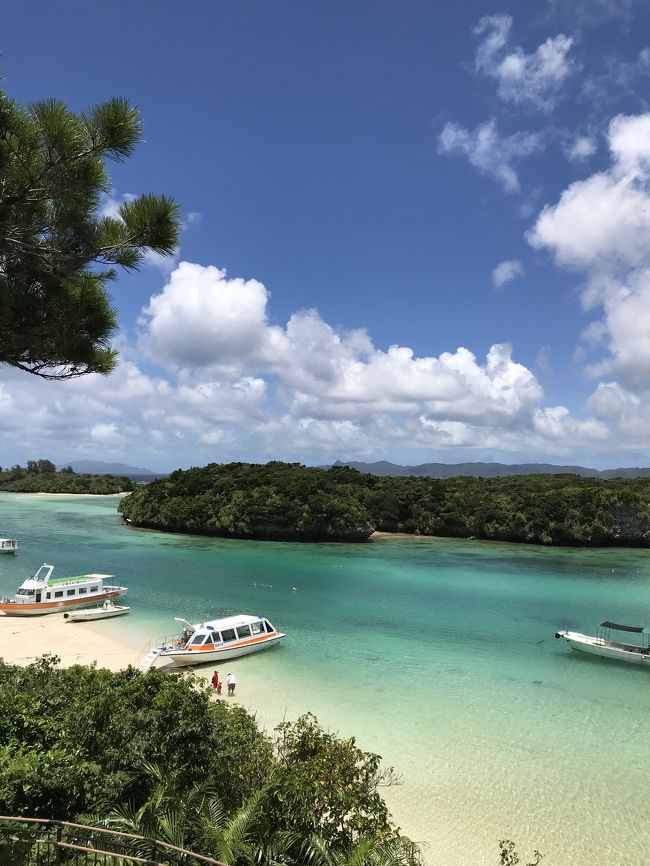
(628, 647)
(172, 641)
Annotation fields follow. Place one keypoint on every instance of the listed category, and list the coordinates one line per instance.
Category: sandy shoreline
(24, 639)
(78, 495)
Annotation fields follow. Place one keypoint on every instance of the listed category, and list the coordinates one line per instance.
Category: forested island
(288, 501)
(41, 476)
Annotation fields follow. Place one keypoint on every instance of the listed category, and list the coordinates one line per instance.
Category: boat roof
(77, 579)
(637, 629)
(227, 622)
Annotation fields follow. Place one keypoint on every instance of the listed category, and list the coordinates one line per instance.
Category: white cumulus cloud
(535, 79)
(601, 225)
(488, 151)
(506, 272)
(204, 318)
(603, 222)
(580, 148)
(235, 386)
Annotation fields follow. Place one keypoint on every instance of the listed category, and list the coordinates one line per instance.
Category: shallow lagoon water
(437, 654)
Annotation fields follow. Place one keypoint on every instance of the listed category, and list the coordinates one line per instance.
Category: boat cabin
(41, 588)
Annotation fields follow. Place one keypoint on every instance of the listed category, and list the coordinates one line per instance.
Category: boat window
(243, 631)
(25, 592)
(93, 589)
(58, 594)
(197, 639)
(70, 592)
(48, 595)
(268, 625)
(257, 628)
(82, 589)
(228, 634)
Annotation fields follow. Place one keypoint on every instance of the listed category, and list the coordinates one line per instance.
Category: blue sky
(466, 183)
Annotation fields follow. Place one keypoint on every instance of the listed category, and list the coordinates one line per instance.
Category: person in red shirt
(216, 682)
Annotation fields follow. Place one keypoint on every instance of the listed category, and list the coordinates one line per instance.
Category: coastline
(25, 639)
(95, 495)
(379, 535)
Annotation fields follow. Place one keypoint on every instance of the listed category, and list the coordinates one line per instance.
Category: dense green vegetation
(57, 252)
(152, 754)
(287, 500)
(278, 500)
(40, 476)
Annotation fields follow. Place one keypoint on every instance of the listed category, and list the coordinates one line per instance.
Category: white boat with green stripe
(43, 594)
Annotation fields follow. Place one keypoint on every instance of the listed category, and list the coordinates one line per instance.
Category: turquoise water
(439, 655)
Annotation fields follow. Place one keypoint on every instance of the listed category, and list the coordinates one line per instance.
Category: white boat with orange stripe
(42, 594)
(219, 639)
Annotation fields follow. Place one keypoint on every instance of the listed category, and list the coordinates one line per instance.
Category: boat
(8, 545)
(214, 641)
(106, 611)
(602, 645)
(41, 594)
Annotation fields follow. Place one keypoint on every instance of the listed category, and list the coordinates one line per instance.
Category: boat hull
(185, 658)
(90, 615)
(12, 608)
(595, 646)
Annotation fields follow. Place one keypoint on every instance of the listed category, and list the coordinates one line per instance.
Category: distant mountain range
(98, 467)
(489, 470)
(385, 468)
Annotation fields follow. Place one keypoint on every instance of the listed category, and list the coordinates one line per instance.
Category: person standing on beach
(232, 682)
(216, 682)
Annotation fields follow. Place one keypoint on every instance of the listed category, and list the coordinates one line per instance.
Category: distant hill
(98, 467)
(488, 470)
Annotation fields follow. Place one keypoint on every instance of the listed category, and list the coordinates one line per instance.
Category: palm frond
(315, 852)
(172, 828)
(363, 853)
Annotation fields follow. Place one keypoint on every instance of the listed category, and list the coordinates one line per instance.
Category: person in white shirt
(232, 682)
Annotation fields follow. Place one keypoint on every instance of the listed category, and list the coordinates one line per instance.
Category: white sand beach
(75, 495)
(24, 639)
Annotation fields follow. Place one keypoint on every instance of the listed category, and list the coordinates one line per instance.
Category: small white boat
(8, 545)
(41, 594)
(602, 645)
(106, 611)
(214, 641)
